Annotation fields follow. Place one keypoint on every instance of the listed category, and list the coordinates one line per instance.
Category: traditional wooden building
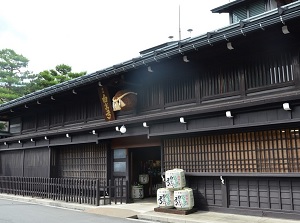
(223, 106)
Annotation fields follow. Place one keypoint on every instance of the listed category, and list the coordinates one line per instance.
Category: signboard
(107, 110)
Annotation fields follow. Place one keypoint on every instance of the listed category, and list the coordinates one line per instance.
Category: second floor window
(149, 96)
(179, 89)
(29, 122)
(269, 70)
(42, 119)
(220, 80)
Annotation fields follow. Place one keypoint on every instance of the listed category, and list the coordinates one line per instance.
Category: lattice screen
(275, 151)
(84, 161)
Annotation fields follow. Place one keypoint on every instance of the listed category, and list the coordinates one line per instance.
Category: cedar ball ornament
(124, 100)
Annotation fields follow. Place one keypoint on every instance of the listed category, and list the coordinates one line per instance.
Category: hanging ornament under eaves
(124, 100)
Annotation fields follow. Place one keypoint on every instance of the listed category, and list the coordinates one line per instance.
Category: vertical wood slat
(295, 152)
(282, 151)
(68, 190)
(291, 195)
(237, 154)
(272, 151)
(90, 162)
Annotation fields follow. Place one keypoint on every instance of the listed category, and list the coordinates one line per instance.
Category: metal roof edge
(254, 23)
(224, 8)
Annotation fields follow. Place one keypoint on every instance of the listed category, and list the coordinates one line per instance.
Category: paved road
(21, 212)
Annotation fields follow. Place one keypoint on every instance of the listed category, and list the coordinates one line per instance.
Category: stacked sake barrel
(175, 194)
(137, 191)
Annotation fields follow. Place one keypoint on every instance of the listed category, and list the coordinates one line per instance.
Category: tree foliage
(12, 74)
(16, 80)
(52, 77)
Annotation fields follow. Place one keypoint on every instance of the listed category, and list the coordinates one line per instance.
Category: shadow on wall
(200, 201)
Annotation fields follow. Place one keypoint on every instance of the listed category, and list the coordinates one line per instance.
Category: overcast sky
(91, 35)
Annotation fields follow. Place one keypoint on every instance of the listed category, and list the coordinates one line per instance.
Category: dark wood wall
(135, 142)
(262, 196)
(37, 163)
(27, 163)
(11, 163)
(66, 110)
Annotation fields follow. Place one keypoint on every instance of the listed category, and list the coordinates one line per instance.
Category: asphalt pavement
(12, 211)
(141, 209)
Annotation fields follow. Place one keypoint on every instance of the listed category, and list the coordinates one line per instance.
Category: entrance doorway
(145, 169)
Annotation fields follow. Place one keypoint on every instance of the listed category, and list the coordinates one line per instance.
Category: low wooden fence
(87, 191)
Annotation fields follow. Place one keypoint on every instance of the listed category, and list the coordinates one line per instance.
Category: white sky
(91, 35)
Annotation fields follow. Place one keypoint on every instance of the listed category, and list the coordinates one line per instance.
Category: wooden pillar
(49, 165)
(224, 190)
(242, 83)
(197, 89)
(23, 161)
(296, 69)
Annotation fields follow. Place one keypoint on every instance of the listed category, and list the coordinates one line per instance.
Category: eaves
(236, 30)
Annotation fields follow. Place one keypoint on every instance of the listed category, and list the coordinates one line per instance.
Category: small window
(119, 161)
(15, 125)
(29, 122)
(181, 89)
(4, 126)
(56, 117)
(239, 14)
(42, 119)
(119, 166)
(119, 153)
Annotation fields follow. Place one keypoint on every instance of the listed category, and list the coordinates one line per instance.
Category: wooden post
(224, 193)
(15, 185)
(80, 189)
(127, 192)
(66, 183)
(242, 83)
(53, 188)
(97, 193)
(121, 190)
(296, 69)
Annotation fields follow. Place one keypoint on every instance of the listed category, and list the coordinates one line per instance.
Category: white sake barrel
(184, 199)
(175, 179)
(165, 198)
(137, 192)
(144, 178)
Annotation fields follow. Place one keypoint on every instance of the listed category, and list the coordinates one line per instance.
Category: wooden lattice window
(83, 161)
(56, 116)
(269, 70)
(181, 89)
(29, 123)
(274, 151)
(220, 80)
(149, 96)
(75, 111)
(42, 119)
(93, 109)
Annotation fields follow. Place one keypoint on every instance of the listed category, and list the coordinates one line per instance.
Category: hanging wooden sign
(107, 110)
(124, 100)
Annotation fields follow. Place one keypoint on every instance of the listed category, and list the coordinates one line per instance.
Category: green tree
(12, 74)
(52, 77)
